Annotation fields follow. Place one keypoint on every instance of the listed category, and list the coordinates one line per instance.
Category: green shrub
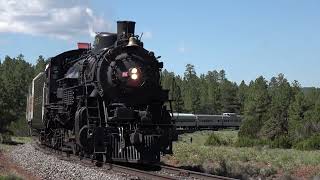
(249, 127)
(215, 140)
(245, 142)
(6, 138)
(311, 143)
(10, 177)
(267, 171)
(281, 142)
(250, 142)
(222, 168)
(20, 127)
(221, 138)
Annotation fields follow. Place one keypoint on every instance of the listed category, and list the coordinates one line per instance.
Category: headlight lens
(134, 70)
(134, 76)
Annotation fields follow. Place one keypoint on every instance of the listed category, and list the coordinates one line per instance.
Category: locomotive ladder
(93, 114)
(92, 110)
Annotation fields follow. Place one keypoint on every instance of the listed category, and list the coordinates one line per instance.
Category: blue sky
(246, 38)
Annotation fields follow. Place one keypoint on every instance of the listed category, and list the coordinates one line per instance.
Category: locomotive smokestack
(125, 28)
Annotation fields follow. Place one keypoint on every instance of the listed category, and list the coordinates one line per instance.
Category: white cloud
(182, 47)
(55, 18)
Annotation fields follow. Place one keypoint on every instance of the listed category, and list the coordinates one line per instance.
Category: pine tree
(296, 117)
(242, 93)
(191, 90)
(203, 90)
(316, 111)
(256, 108)
(281, 94)
(2, 119)
(16, 74)
(311, 124)
(214, 95)
(229, 101)
(295, 88)
(222, 75)
(178, 103)
(40, 66)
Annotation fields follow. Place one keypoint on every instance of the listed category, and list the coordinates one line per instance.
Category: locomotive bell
(133, 41)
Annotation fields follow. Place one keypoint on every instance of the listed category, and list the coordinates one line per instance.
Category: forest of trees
(16, 75)
(275, 110)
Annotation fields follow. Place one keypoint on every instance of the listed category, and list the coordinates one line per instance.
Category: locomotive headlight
(134, 70)
(134, 73)
(134, 76)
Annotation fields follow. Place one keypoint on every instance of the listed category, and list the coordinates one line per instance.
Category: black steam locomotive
(106, 102)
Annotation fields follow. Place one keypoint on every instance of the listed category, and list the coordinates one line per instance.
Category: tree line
(210, 93)
(277, 112)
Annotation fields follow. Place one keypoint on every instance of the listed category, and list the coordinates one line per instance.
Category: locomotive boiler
(105, 102)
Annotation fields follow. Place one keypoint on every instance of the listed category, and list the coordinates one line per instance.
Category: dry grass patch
(227, 159)
(10, 177)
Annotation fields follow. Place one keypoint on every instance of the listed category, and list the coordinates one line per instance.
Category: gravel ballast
(50, 167)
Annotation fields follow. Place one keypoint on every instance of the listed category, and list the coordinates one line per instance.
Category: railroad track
(157, 172)
(192, 174)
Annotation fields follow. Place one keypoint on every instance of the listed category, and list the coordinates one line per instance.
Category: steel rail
(192, 174)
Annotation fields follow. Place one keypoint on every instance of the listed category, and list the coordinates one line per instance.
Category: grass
(5, 147)
(200, 137)
(23, 140)
(227, 159)
(10, 177)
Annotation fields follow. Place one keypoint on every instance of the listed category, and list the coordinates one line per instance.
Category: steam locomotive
(104, 102)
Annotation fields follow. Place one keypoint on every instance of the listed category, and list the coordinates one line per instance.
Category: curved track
(161, 172)
(191, 174)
